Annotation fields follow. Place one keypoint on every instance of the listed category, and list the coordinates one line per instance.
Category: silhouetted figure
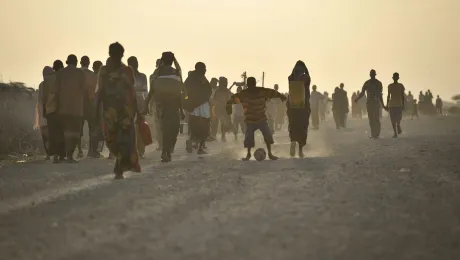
(337, 107)
(255, 100)
(117, 97)
(141, 88)
(214, 120)
(396, 104)
(373, 87)
(280, 112)
(409, 103)
(298, 107)
(315, 102)
(429, 96)
(168, 107)
(344, 106)
(324, 106)
(41, 122)
(354, 106)
(197, 104)
(154, 114)
(439, 105)
(72, 89)
(220, 98)
(97, 134)
(89, 108)
(414, 110)
(271, 111)
(421, 102)
(359, 106)
(238, 115)
(51, 92)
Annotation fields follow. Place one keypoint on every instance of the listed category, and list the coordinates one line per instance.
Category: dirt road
(352, 198)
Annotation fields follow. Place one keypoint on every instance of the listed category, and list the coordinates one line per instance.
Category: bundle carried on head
(167, 81)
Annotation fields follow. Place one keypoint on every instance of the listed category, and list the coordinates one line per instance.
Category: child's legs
(393, 117)
(268, 136)
(399, 116)
(249, 141)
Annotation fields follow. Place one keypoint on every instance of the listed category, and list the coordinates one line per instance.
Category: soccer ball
(260, 154)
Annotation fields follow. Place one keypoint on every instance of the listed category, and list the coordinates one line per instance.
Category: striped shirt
(254, 101)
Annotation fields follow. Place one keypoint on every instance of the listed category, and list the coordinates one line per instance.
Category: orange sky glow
(340, 41)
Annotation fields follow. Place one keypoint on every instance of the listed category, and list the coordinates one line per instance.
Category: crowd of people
(113, 99)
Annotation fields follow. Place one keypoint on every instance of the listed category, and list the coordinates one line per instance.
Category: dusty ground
(353, 198)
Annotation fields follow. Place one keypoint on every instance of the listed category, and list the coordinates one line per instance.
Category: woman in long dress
(117, 96)
(299, 114)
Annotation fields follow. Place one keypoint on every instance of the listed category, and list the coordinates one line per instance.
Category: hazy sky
(339, 40)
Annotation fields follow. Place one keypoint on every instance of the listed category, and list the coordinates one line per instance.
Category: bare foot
(247, 158)
(301, 155)
(166, 158)
(119, 176)
(272, 157)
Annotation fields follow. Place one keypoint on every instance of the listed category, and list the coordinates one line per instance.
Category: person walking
(116, 96)
(298, 107)
(396, 104)
(439, 105)
(315, 102)
(168, 102)
(72, 88)
(141, 88)
(199, 93)
(373, 88)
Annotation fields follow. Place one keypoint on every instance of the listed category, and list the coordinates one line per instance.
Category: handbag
(144, 133)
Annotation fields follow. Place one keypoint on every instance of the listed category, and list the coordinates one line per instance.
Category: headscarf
(299, 64)
(198, 90)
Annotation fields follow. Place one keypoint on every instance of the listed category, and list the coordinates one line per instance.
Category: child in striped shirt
(254, 101)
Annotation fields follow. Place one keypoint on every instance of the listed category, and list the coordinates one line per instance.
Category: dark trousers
(56, 136)
(343, 120)
(198, 128)
(45, 138)
(373, 113)
(249, 141)
(169, 118)
(93, 142)
(336, 119)
(340, 119)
